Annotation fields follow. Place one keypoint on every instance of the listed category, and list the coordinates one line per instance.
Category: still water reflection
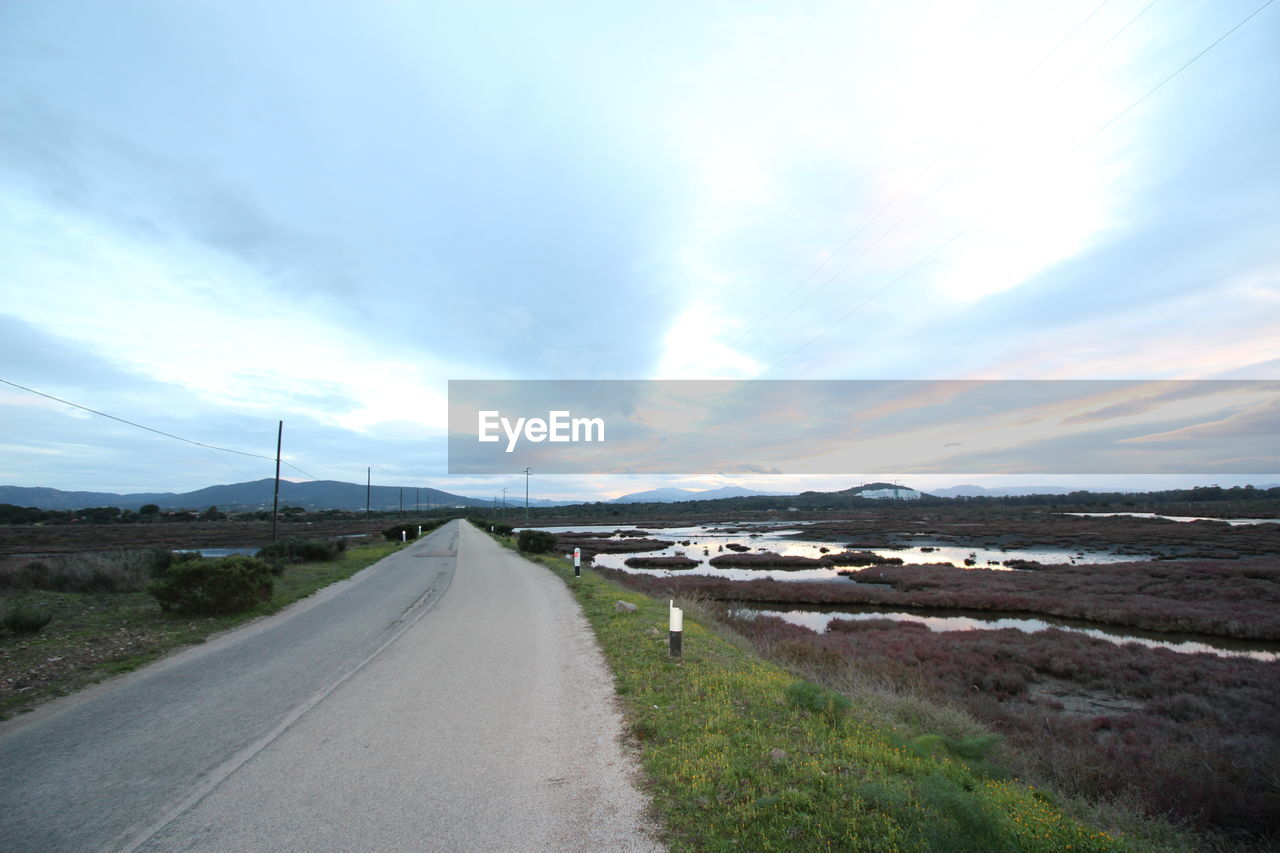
(818, 620)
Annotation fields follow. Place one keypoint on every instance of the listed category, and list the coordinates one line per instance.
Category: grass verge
(96, 635)
(741, 756)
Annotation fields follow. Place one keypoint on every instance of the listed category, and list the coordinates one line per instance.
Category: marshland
(1128, 660)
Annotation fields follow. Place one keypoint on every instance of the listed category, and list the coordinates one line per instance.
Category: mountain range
(671, 495)
(967, 491)
(332, 494)
(257, 494)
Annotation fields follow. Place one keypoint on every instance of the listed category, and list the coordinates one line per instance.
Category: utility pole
(368, 489)
(504, 503)
(275, 501)
(526, 494)
(417, 502)
(402, 500)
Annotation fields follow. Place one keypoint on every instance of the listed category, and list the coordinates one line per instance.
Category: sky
(216, 216)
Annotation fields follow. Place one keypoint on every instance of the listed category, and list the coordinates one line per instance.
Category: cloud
(747, 468)
(152, 197)
(1258, 422)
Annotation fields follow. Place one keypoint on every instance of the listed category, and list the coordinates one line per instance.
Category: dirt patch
(1075, 700)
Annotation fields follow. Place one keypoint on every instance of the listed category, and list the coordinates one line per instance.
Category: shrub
(410, 530)
(536, 541)
(193, 584)
(490, 526)
(303, 551)
(818, 700)
(97, 571)
(968, 823)
(401, 532)
(18, 619)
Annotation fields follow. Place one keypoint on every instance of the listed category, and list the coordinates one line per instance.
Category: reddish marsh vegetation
(1190, 736)
(592, 544)
(661, 563)
(1226, 598)
(1013, 528)
(772, 560)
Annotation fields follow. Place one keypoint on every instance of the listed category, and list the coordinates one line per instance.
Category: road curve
(450, 697)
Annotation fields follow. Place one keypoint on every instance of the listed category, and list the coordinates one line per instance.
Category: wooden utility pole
(275, 501)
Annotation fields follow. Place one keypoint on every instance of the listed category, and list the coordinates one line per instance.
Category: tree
(149, 509)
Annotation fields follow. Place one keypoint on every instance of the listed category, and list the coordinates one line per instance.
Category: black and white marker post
(675, 633)
(577, 562)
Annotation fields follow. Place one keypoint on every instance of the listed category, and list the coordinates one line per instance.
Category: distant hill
(880, 490)
(671, 495)
(318, 494)
(1000, 492)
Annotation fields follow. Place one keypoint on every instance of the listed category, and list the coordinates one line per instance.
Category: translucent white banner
(864, 427)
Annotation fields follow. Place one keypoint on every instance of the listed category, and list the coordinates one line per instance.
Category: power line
(1180, 69)
(945, 183)
(1080, 144)
(885, 207)
(888, 285)
(157, 431)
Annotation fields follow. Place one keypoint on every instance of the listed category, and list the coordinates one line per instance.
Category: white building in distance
(896, 494)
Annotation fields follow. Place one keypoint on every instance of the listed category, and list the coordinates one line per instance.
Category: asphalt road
(450, 697)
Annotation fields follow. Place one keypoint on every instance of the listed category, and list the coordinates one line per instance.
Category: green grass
(96, 635)
(739, 756)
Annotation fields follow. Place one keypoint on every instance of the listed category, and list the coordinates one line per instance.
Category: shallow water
(707, 541)
(217, 552)
(818, 620)
(1232, 521)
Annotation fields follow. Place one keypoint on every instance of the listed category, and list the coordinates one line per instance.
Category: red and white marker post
(577, 562)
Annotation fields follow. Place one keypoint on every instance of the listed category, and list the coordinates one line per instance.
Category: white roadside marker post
(577, 562)
(404, 536)
(419, 529)
(675, 632)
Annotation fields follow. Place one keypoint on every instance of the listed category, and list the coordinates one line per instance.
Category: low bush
(95, 571)
(536, 541)
(818, 700)
(495, 527)
(193, 584)
(401, 532)
(410, 530)
(303, 551)
(19, 619)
